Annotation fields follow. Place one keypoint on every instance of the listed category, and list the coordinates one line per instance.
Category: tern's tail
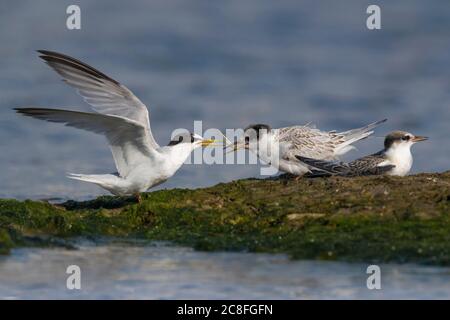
(111, 182)
(354, 135)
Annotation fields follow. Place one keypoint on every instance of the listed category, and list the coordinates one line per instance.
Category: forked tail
(354, 135)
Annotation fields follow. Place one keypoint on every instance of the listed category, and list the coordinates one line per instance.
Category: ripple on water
(121, 271)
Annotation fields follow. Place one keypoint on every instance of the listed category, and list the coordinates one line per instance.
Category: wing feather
(309, 142)
(306, 141)
(368, 165)
(127, 138)
(104, 94)
(332, 167)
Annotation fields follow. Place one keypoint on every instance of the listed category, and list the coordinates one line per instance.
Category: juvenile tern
(279, 147)
(395, 159)
(124, 120)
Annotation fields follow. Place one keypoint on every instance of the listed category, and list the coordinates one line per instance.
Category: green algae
(376, 219)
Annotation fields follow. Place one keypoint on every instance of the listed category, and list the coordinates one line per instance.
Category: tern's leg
(138, 197)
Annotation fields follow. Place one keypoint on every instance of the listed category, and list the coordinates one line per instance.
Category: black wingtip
(53, 57)
(380, 121)
(29, 111)
(44, 53)
(23, 111)
(48, 52)
(305, 159)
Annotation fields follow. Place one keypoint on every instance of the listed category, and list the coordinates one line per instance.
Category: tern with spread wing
(280, 147)
(124, 120)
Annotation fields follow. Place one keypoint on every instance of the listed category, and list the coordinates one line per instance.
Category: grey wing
(104, 94)
(331, 167)
(127, 138)
(369, 165)
(307, 142)
(365, 166)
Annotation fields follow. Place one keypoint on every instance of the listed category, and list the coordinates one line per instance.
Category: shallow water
(228, 63)
(121, 271)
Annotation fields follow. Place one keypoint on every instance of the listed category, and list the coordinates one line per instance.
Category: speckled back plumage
(307, 141)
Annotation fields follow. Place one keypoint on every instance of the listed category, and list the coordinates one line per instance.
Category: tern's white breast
(400, 156)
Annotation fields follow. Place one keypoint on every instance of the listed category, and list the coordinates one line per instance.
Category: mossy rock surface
(371, 219)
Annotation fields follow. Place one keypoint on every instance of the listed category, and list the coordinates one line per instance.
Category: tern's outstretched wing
(128, 139)
(104, 94)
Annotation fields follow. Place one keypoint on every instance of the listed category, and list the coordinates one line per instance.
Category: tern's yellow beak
(419, 138)
(207, 142)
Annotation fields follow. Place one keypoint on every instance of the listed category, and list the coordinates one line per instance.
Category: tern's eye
(192, 138)
(406, 138)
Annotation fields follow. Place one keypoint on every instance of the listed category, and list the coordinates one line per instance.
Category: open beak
(419, 138)
(207, 142)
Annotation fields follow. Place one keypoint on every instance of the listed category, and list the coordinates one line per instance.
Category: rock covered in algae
(373, 219)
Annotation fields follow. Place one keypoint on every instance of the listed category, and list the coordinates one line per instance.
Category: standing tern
(395, 159)
(124, 120)
(279, 147)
